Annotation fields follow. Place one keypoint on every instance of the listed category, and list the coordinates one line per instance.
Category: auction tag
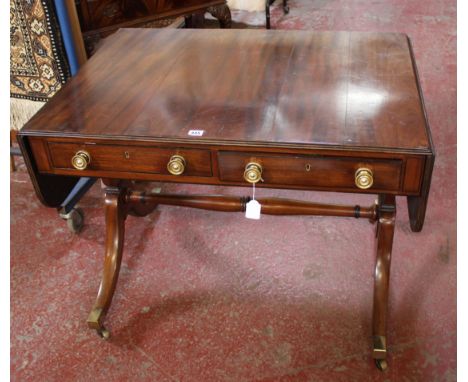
(196, 133)
(252, 210)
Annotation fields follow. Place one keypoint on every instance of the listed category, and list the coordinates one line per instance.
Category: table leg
(116, 212)
(385, 231)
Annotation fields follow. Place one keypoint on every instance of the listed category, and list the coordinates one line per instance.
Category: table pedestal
(121, 200)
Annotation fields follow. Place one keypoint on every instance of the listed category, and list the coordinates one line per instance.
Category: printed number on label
(196, 133)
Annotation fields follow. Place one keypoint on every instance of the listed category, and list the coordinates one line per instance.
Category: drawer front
(312, 171)
(135, 159)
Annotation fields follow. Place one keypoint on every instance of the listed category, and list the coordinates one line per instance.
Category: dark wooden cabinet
(99, 18)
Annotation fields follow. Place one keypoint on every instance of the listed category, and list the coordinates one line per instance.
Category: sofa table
(326, 111)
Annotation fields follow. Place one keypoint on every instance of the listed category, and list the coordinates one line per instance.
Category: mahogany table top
(303, 88)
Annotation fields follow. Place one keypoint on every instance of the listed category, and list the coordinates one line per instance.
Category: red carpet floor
(207, 296)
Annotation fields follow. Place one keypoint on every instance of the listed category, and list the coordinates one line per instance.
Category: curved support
(223, 14)
(115, 209)
(385, 231)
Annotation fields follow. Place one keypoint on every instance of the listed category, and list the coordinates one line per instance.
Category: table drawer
(126, 158)
(312, 171)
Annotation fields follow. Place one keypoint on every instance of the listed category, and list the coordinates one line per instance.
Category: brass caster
(103, 333)
(381, 364)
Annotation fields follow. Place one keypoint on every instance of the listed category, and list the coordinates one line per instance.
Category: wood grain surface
(309, 88)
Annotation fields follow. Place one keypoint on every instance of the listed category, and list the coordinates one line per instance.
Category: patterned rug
(38, 64)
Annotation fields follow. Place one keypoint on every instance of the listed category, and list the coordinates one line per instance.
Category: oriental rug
(38, 64)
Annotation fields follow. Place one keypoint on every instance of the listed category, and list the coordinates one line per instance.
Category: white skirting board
(247, 5)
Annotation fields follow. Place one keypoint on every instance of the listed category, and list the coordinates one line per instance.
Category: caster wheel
(381, 364)
(103, 333)
(75, 220)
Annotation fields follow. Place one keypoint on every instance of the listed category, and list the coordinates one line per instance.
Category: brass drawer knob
(253, 172)
(364, 178)
(176, 165)
(81, 160)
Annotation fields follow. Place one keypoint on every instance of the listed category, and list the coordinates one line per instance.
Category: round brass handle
(364, 178)
(176, 165)
(81, 160)
(253, 172)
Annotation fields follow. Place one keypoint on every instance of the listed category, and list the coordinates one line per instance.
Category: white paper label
(196, 133)
(252, 210)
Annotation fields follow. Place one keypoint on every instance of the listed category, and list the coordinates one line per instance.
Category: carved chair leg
(223, 14)
(385, 231)
(267, 14)
(115, 210)
(195, 20)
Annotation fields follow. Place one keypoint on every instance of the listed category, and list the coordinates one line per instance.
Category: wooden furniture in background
(326, 111)
(100, 18)
(78, 43)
